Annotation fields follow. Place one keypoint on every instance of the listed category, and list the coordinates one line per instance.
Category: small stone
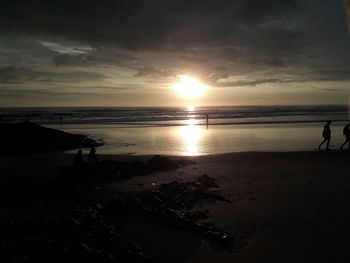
(87, 248)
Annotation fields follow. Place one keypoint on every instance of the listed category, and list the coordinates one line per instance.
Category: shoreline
(66, 158)
(140, 124)
(197, 140)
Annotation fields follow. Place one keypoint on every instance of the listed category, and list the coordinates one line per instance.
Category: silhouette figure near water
(346, 132)
(92, 156)
(326, 135)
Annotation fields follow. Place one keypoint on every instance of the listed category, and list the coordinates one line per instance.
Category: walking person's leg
(328, 141)
(342, 146)
(347, 140)
(319, 147)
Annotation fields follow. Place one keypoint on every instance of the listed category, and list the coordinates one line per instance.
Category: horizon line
(183, 106)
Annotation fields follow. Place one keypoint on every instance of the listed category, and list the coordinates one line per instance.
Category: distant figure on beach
(60, 120)
(346, 132)
(326, 135)
(78, 159)
(207, 119)
(92, 156)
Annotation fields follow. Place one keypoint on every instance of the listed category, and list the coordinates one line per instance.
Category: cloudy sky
(131, 52)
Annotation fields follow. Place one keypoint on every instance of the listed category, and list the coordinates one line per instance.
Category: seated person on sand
(92, 156)
(326, 135)
(78, 159)
(346, 132)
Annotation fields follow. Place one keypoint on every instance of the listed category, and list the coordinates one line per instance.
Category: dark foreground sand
(289, 207)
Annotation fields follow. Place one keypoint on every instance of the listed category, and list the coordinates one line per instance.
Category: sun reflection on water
(191, 135)
(191, 122)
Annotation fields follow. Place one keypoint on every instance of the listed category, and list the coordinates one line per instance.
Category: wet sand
(291, 207)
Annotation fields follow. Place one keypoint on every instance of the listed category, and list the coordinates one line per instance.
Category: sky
(132, 52)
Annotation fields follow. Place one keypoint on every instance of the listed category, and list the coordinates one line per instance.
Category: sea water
(183, 131)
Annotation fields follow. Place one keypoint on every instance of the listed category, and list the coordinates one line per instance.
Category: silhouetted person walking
(346, 132)
(326, 135)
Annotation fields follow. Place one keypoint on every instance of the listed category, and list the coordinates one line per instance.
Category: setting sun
(189, 87)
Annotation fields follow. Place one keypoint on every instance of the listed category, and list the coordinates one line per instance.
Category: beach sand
(288, 207)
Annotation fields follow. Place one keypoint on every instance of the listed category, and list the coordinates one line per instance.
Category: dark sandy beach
(281, 207)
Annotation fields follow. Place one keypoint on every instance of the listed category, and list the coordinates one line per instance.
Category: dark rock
(27, 137)
(206, 181)
(81, 234)
(135, 253)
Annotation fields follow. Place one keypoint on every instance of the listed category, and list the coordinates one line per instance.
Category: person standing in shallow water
(346, 132)
(326, 135)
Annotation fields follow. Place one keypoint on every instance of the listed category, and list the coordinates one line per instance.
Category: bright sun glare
(190, 108)
(189, 87)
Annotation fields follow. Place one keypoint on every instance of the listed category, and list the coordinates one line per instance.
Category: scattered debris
(74, 218)
(82, 234)
(173, 204)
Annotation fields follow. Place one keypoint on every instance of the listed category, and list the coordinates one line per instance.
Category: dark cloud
(327, 89)
(140, 24)
(149, 42)
(255, 11)
(333, 75)
(195, 59)
(74, 60)
(253, 83)
(154, 73)
(14, 92)
(221, 80)
(13, 74)
(347, 7)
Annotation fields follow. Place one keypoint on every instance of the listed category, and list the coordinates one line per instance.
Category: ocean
(184, 131)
